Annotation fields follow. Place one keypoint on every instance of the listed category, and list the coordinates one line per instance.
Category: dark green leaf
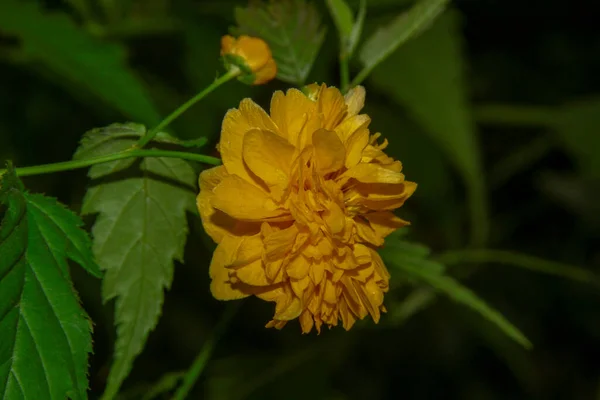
(425, 76)
(293, 30)
(46, 335)
(95, 66)
(405, 26)
(141, 228)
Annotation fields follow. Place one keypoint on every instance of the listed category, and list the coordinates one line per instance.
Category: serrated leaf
(80, 59)
(465, 296)
(425, 76)
(405, 26)
(293, 30)
(140, 230)
(46, 335)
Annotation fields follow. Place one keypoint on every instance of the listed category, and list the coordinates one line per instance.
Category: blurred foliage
(493, 111)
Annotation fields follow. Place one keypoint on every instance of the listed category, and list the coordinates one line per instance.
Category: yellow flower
(301, 202)
(252, 55)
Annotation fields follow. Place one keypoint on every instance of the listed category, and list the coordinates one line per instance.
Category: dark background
(533, 61)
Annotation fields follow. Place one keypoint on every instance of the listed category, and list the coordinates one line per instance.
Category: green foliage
(413, 261)
(348, 29)
(404, 27)
(141, 228)
(425, 76)
(46, 335)
(293, 30)
(342, 17)
(78, 58)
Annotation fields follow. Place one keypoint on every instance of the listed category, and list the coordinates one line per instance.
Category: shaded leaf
(425, 76)
(92, 65)
(293, 30)
(405, 26)
(140, 230)
(46, 335)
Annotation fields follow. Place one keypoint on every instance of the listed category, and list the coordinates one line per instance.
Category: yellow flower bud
(251, 55)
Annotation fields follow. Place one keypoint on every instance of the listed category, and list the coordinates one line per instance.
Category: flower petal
(298, 267)
(329, 151)
(221, 286)
(288, 310)
(269, 156)
(332, 105)
(215, 222)
(266, 73)
(351, 125)
(373, 173)
(306, 321)
(299, 286)
(236, 124)
(249, 250)
(317, 271)
(278, 243)
(253, 274)
(244, 201)
(355, 100)
(334, 218)
(385, 222)
(355, 145)
(290, 112)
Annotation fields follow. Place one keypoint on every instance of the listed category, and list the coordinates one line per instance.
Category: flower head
(301, 202)
(251, 55)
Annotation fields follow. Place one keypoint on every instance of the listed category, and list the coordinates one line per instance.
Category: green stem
(344, 73)
(75, 164)
(202, 358)
(232, 73)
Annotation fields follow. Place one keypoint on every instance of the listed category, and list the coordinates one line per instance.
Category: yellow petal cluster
(299, 206)
(252, 55)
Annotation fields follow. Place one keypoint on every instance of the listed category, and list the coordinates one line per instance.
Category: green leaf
(412, 259)
(193, 143)
(141, 228)
(46, 335)
(425, 76)
(80, 59)
(405, 26)
(349, 30)
(293, 30)
(524, 261)
(342, 18)
(357, 28)
(400, 252)
(461, 294)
